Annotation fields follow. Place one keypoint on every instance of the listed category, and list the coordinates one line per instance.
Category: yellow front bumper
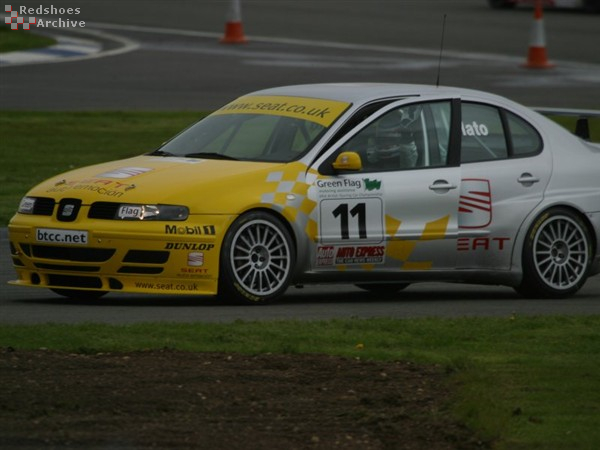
(121, 256)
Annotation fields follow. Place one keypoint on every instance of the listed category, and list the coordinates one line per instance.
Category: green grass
(527, 383)
(570, 122)
(16, 40)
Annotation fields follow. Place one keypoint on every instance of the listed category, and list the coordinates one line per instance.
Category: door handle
(526, 179)
(442, 185)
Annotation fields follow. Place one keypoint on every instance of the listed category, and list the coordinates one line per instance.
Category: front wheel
(257, 259)
(557, 255)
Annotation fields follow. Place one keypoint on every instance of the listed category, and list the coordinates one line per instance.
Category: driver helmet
(394, 138)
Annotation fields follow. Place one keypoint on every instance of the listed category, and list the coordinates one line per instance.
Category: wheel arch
(525, 227)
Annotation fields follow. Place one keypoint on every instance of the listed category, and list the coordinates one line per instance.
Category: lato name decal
(474, 129)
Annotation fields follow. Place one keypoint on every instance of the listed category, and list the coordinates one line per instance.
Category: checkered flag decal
(290, 195)
(14, 20)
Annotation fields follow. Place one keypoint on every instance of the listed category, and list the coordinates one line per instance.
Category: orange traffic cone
(537, 57)
(234, 31)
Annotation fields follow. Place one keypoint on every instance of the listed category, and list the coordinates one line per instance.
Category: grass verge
(16, 40)
(529, 383)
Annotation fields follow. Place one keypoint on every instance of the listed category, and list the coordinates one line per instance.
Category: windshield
(278, 129)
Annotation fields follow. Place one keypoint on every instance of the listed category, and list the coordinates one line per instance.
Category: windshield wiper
(160, 153)
(209, 155)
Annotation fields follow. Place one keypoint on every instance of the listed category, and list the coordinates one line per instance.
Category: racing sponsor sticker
(323, 112)
(207, 230)
(329, 255)
(195, 259)
(64, 237)
(110, 188)
(325, 255)
(177, 159)
(124, 172)
(130, 212)
(348, 187)
(475, 204)
(189, 246)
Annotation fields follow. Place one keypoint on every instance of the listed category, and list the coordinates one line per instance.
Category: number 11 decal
(351, 220)
(359, 210)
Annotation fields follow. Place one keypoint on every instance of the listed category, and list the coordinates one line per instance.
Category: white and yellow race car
(379, 185)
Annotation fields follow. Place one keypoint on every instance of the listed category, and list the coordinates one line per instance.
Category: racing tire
(79, 294)
(257, 260)
(557, 255)
(382, 288)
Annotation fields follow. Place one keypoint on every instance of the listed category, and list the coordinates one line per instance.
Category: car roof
(358, 93)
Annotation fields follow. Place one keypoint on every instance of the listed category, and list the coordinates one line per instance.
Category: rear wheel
(557, 255)
(257, 259)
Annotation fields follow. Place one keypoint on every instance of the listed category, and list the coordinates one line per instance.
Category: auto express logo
(24, 16)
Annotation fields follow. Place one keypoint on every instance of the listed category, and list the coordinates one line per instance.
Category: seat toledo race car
(378, 185)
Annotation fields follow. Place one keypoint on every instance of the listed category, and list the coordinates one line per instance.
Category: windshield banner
(323, 112)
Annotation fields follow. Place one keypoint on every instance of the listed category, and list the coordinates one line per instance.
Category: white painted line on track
(70, 48)
(455, 54)
(99, 30)
(65, 48)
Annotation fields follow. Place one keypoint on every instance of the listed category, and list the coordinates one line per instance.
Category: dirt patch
(174, 399)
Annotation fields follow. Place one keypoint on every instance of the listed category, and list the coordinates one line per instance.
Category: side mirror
(348, 161)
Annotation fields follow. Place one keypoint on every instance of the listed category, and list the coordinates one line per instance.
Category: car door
(504, 174)
(399, 210)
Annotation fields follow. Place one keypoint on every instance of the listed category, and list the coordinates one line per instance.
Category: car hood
(204, 185)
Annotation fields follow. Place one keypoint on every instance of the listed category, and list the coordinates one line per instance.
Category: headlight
(152, 212)
(26, 206)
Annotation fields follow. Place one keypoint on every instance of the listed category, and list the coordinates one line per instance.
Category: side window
(438, 133)
(412, 136)
(483, 137)
(525, 140)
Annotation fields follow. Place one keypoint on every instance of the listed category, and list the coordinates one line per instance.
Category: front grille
(78, 254)
(103, 210)
(68, 208)
(74, 281)
(69, 268)
(44, 206)
(141, 270)
(146, 256)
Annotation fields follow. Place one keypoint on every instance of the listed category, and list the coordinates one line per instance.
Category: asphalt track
(166, 56)
(174, 61)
